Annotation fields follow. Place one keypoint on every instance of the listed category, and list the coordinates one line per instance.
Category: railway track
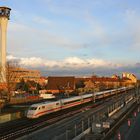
(34, 126)
(25, 126)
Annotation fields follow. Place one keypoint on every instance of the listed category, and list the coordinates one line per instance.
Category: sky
(75, 37)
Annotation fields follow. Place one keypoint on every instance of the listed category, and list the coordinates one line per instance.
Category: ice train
(40, 109)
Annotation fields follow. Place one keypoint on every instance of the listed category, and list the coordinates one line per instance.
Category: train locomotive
(40, 109)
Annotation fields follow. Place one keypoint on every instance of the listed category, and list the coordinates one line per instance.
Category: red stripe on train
(65, 106)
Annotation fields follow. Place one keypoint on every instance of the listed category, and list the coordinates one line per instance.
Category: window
(32, 108)
(87, 98)
(43, 107)
(57, 103)
(68, 102)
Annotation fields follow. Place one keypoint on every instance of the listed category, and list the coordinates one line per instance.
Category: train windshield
(32, 108)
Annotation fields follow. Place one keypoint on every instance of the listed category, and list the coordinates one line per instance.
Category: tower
(4, 17)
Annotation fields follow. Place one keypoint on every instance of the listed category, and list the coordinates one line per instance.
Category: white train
(37, 110)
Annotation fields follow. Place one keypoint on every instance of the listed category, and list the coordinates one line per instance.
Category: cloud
(43, 21)
(70, 62)
(75, 66)
(11, 57)
(97, 31)
(22, 37)
(42, 32)
(132, 19)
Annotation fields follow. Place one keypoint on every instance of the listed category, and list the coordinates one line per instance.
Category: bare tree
(3, 84)
(12, 76)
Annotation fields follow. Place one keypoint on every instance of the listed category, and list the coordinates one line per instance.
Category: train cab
(33, 109)
(40, 109)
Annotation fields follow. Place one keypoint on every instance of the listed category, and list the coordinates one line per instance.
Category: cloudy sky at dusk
(75, 36)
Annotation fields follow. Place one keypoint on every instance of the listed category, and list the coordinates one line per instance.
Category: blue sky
(77, 34)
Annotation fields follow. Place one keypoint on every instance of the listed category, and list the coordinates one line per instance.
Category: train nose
(30, 114)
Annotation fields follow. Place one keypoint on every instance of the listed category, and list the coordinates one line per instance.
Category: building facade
(96, 83)
(130, 76)
(16, 74)
(61, 84)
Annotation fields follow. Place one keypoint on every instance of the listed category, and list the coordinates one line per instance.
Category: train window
(43, 107)
(33, 108)
(57, 103)
(86, 97)
(68, 102)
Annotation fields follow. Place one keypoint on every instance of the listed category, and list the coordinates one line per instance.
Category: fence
(81, 127)
(96, 122)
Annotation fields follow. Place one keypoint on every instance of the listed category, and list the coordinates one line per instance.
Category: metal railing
(85, 125)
